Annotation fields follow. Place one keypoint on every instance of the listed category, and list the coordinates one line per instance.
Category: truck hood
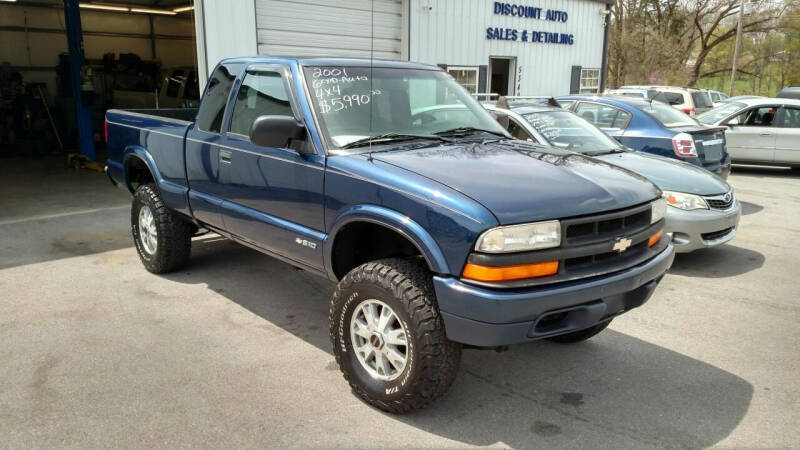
(523, 182)
(669, 174)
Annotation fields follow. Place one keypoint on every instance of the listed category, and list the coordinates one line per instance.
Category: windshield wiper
(464, 131)
(392, 137)
(610, 151)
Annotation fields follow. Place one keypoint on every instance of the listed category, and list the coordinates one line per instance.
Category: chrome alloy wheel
(379, 340)
(147, 230)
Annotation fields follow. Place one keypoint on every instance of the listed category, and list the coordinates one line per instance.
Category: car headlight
(658, 210)
(685, 201)
(520, 238)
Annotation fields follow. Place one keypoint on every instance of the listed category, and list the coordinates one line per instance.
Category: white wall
(453, 32)
(42, 49)
(225, 29)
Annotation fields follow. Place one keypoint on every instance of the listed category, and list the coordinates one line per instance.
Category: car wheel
(162, 240)
(579, 336)
(388, 336)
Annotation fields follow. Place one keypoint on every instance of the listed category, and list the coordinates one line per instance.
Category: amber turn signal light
(655, 238)
(507, 273)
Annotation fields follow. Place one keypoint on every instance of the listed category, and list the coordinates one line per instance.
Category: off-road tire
(579, 336)
(406, 286)
(174, 235)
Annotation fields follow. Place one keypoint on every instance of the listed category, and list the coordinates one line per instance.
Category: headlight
(685, 201)
(658, 210)
(520, 238)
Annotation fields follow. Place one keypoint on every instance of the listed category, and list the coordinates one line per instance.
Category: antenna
(371, 59)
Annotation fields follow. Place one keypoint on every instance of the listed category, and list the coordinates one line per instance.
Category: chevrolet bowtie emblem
(621, 244)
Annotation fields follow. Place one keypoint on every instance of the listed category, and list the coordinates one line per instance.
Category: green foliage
(692, 42)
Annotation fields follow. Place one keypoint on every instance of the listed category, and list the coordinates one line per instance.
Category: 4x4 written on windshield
(327, 83)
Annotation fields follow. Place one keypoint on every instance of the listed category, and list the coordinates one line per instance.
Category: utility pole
(736, 46)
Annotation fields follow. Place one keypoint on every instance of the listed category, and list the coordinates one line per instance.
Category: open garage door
(325, 28)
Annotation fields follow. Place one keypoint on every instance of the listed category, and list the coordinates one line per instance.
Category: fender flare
(137, 152)
(394, 221)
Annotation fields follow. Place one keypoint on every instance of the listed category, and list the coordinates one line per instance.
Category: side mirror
(732, 122)
(276, 131)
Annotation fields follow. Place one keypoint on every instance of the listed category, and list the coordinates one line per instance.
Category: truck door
(273, 197)
(202, 149)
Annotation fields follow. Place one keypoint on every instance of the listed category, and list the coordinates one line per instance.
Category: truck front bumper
(486, 317)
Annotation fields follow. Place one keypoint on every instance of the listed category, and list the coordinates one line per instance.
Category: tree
(714, 24)
(682, 41)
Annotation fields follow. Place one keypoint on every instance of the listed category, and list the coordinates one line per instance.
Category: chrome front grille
(724, 201)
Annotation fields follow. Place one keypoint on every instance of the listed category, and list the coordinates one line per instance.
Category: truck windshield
(565, 130)
(356, 103)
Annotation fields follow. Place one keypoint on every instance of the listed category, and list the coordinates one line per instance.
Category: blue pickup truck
(440, 229)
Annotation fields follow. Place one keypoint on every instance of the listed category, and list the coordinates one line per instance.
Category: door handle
(225, 156)
(766, 134)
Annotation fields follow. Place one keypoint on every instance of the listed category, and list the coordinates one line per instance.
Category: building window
(590, 81)
(466, 76)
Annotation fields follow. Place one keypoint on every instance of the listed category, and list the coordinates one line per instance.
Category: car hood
(669, 174)
(522, 182)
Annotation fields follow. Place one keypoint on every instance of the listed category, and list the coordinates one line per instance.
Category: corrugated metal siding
(328, 28)
(453, 32)
(225, 29)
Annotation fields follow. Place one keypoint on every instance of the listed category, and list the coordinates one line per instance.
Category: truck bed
(182, 114)
(158, 136)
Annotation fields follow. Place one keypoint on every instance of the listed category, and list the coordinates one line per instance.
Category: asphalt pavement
(233, 351)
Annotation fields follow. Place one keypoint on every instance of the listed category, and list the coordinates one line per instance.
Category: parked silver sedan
(702, 209)
(764, 131)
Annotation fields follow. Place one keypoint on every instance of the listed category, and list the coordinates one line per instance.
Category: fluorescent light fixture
(153, 11)
(103, 7)
(9, 1)
(183, 8)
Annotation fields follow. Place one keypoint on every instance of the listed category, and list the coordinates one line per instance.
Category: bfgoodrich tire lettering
(173, 235)
(431, 359)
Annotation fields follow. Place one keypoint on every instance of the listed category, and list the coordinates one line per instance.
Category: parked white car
(691, 101)
(763, 131)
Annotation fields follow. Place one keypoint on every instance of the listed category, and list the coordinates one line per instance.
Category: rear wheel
(162, 240)
(582, 335)
(388, 336)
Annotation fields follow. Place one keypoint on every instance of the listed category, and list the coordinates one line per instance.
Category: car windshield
(357, 103)
(565, 130)
(667, 115)
(715, 115)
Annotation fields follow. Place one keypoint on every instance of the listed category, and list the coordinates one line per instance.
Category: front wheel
(162, 240)
(388, 336)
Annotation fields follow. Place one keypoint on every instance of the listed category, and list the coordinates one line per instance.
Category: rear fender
(133, 152)
(174, 195)
(393, 220)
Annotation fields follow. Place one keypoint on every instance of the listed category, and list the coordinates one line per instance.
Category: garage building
(527, 47)
(63, 63)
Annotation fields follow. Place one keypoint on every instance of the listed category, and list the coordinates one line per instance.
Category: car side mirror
(731, 123)
(276, 131)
